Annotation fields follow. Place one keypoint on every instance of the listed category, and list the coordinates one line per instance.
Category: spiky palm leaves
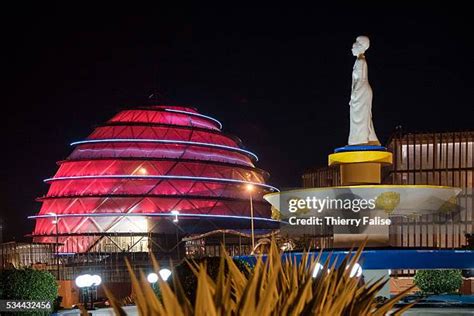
(273, 287)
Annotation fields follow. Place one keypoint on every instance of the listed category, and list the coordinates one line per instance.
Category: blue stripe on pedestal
(360, 148)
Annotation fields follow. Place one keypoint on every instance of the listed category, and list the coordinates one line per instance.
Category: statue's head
(361, 44)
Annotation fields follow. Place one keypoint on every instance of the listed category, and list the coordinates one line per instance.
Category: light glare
(152, 277)
(96, 280)
(165, 274)
(84, 280)
(175, 213)
(317, 269)
(356, 270)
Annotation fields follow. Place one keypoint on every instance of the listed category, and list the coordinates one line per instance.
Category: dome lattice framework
(151, 162)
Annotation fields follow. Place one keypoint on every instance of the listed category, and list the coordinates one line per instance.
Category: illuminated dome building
(149, 177)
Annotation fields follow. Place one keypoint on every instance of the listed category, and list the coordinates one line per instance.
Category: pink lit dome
(146, 162)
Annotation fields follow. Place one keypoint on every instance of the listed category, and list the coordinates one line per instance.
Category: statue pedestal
(361, 165)
(360, 173)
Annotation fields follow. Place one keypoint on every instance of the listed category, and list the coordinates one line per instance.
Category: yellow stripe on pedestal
(383, 157)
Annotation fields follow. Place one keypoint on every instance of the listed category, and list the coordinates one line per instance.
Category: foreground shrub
(438, 281)
(272, 287)
(28, 284)
(186, 276)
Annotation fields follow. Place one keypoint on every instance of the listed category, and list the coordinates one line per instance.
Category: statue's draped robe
(361, 127)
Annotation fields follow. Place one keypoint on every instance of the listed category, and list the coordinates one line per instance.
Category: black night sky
(278, 78)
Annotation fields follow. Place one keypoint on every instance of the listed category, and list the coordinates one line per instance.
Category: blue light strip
(165, 141)
(196, 114)
(154, 215)
(117, 176)
(390, 259)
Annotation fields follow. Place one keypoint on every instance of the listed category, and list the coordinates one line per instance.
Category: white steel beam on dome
(165, 141)
(163, 177)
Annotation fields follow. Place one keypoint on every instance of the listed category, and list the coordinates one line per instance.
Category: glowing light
(250, 187)
(197, 115)
(165, 274)
(157, 214)
(84, 280)
(140, 224)
(152, 277)
(164, 141)
(142, 170)
(356, 270)
(55, 221)
(317, 269)
(126, 176)
(96, 280)
(175, 213)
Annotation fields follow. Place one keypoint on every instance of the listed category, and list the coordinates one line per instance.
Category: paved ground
(439, 311)
(421, 311)
(130, 310)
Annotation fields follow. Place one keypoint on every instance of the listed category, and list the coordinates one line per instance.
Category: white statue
(362, 130)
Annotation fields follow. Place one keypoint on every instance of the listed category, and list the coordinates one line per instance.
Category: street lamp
(86, 283)
(356, 270)
(175, 221)
(55, 222)
(250, 188)
(96, 280)
(152, 277)
(175, 213)
(318, 268)
(165, 274)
